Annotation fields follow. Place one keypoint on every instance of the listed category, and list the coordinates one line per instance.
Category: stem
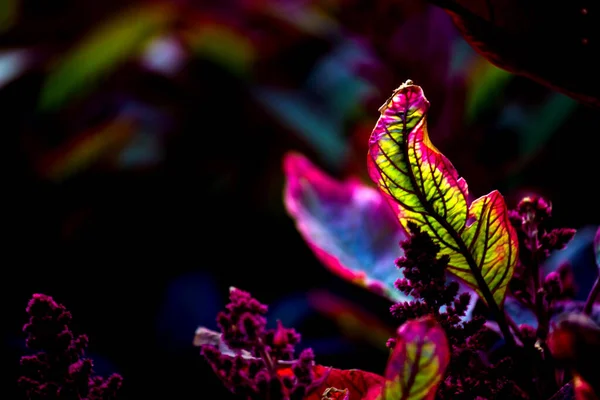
(542, 315)
(483, 287)
(266, 358)
(514, 327)
(538, 293)
(589, 303)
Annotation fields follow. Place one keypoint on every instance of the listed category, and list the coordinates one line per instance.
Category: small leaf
(357, 382)
(418, 361)
(207, 337)
(101, 51)
(424, 188)
(348, 225)
(575, 342)
(597, 246)
(88, 148)
(583, 390)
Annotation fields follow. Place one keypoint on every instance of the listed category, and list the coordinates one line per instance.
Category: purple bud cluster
(471, 374)
(259, 362)
(58, 370)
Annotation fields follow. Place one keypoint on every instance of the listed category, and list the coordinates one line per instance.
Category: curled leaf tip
(408, 88)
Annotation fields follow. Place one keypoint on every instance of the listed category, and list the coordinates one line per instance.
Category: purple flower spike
(252, 361)
(58, 369)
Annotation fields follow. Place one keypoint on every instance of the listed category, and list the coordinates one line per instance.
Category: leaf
(295, 111)
(204, 336)
(488, 86)
(424, 187)
(597, 246)
(357, 382)
(522, 38)
(215, 40)
(575, 342)
(353, 321)
(9, 11)
(418, 361)
(348, 225)
(101, 51)
(88, 148)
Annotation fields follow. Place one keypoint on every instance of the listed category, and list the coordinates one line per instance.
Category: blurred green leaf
(535, 128)
(223, 45)
(9, 9)
(544, 122)
(108, 45)
(487, 84)
(322, 133)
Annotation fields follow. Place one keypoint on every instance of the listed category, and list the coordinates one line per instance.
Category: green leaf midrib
(413, 371)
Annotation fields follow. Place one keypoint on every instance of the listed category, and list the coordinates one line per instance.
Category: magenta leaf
(348, 225)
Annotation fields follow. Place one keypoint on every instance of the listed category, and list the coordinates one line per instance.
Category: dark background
(143, 252)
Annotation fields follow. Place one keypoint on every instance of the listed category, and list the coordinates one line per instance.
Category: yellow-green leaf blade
(418, 361)
(493, 244)
(424, 188)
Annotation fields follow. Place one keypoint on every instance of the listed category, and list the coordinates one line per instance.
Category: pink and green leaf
(348, 225)
(417, 363)
(424, 188)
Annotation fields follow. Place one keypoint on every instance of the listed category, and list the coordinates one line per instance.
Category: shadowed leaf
(522, 38)
(348, 225)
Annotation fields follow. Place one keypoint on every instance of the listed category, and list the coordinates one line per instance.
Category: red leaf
(356, 381)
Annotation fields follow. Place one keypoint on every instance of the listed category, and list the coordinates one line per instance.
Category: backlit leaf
(424, 187)
(348, 225)
(418, 361)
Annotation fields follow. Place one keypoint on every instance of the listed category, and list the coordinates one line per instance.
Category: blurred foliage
(100, 52)
(143, 133)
